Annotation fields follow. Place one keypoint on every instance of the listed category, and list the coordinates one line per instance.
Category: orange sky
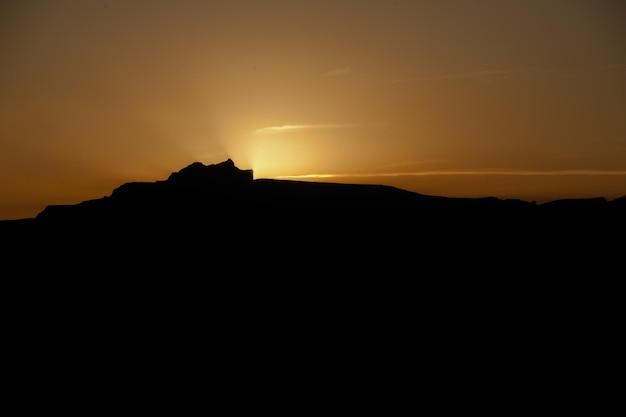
(506, 98)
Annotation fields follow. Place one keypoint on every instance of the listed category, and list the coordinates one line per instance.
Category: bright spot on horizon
(291, 149)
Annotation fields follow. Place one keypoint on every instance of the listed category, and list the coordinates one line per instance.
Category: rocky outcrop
(188, 192)
(222, 175)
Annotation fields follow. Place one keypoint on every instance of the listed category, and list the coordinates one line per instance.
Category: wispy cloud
(616, 68)
(337, 72)
(486, 75)
(292, 128)
(573, 172)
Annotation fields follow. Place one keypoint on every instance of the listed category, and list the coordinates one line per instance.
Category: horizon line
(569, 172)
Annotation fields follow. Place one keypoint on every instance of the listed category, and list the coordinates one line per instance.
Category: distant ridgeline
(226, 203)
(211, 246)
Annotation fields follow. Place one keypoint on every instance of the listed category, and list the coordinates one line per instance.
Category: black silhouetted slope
(211, 258)
(224, 197)
(221, 209)
(211, 245)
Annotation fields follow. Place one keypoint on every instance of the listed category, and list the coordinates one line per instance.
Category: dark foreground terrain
(205, 217)
(212, 269)
(212, 235)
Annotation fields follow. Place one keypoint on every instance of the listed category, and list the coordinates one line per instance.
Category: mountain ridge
(222, 213)
(198, 184)
(225, 199)
(227, 174)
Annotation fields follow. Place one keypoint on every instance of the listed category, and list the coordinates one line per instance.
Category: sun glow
(291, 149)
(276, 156)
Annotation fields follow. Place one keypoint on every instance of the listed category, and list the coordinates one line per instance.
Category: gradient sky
(507, 98)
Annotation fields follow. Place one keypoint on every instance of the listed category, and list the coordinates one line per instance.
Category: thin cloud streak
(339, 72)
(573, 172)
(291, 128)
(485, 74)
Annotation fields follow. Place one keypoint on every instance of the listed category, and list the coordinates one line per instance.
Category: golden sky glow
(506, 98)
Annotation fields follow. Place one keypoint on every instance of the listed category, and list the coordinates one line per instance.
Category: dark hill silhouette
(198, 193)
(212, 247)
(222, 210)
(212, 260)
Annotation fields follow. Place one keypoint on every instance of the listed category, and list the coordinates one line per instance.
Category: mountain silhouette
(212, 252)
(223, 212)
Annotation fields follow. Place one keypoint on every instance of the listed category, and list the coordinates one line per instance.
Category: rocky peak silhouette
(222, 174)
(224, 177)
(195, 191)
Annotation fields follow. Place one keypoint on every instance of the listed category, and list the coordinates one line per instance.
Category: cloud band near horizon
(574, 172)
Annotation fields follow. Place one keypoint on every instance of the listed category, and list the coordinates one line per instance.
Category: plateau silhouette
(219, 212)
(211, 244)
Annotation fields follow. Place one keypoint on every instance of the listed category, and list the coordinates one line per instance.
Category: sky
(483, 98)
